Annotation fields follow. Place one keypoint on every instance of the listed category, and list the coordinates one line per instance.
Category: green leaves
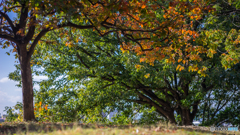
(8, 53)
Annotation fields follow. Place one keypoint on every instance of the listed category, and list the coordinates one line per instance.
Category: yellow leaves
(16, 56)
(147, 75)
(210, 53)
(180, 68)
(195, 57)
(40, 110)
(123, 51)
(167, 61)
(193, 68)
(20, 32)
(184, 61)
(69, 44)
(151, 63)
(14, 50)
(204, 68)
(36, 8)
(137, 66)
(202, 71)
(179, 60)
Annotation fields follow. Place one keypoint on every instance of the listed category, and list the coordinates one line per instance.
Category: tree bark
(172, 118)
(27, 86)
(186, 117)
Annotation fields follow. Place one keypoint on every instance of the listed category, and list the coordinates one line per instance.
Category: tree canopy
(183, 41)
(97, 66)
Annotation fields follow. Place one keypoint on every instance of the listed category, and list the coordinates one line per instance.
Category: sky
(9, 93)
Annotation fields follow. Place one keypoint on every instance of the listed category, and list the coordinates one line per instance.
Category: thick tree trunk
(186, 117)
(171, 118)
(27, 86)
(168, 115)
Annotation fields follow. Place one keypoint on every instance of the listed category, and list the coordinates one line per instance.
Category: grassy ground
(97, 129)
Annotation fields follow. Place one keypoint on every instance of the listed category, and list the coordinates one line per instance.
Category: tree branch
(79, 57)
(76, 26)
(150, 102)
(23, 17)
(39, 36)
(9, 21)
(31, 30)
(8, 38)
(137, 101)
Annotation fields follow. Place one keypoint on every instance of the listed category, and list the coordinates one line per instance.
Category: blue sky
(9, 93)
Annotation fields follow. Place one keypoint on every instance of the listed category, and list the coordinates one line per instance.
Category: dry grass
(97, 129)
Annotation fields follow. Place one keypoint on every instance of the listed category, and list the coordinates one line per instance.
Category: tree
(99, 65)
(35, 18)
(219, 25)
(201, 56)
(221, 105)
(149, 26)
(23, 34)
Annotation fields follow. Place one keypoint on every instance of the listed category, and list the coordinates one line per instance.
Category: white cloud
(15, 99)
(39, 78)
(4, 97)
(36, 87)
(5, 79)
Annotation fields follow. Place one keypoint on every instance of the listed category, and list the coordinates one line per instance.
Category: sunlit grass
(113, 131)
(45, 128)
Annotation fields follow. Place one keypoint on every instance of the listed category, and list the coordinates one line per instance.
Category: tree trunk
(168, 115)
(186, 117)
(172, 118)
(27, 85)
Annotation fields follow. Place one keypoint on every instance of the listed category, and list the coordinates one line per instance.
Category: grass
(39, 128)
